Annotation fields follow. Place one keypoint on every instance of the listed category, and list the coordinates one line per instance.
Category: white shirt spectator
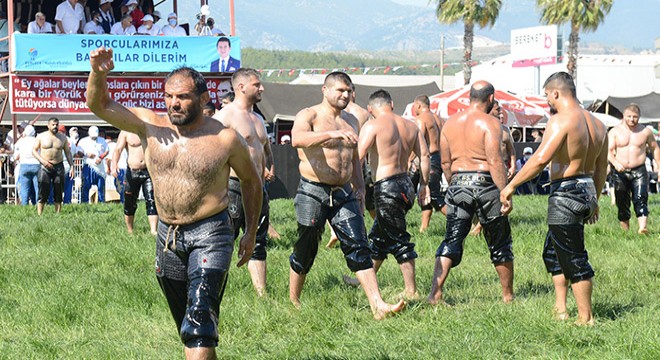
(23, 150)
(117, 29)
(34, 28)
(177, 30)
(154, 31)
(96, 147)
(93, 28)
(70, 17)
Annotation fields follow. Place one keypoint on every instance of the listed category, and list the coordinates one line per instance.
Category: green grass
(76, 286)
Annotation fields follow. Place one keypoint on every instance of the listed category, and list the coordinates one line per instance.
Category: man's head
(148, 21)
(73, 133)
(126, 20)
(224, 47)
(559, 85)
(247, 84)
(421, 102)
(496, 111)
(285, 139)
(105, 5)
(380, 100)
(129, 4)
(93, 132)
(29, 131)
(527, 152)
(631, 115)
(209, 109)
(156, 15)
(185, 95)
(53, 124)
(40, 18)
(483, 92)
(227, 98)
(337, 89)
(172, 19)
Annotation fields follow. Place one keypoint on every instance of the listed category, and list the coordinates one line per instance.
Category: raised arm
(251, 188)
(99, 101)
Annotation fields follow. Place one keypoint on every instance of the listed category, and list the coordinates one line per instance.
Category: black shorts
(473, 193)
(572, 201)
(133, 181)
(317, 203)
(435, 184)
(54, 177)
(394, 196)
(368, 187)
(635, 181)
(238, 217)
(192, 262)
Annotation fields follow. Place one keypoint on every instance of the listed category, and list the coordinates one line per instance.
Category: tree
(583, 15)
(471, 12)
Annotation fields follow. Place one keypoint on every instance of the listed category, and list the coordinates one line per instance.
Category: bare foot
(409, 297)
(560, 315)
(590, 322)
(643, 231)
(261, 292)
(295, 303)
(437, 300)
(350, 281)
(331, 243)
(388, 310)
(508, 299)
(422, 230)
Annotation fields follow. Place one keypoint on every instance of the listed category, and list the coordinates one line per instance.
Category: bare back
(465, 139)
(250, 126)
(135, 152)
(393, 141)
(427, 123)
(332, 161)
(628, 146)
(51, 146)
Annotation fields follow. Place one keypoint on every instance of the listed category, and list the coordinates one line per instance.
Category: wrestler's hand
(113, 171)
(349, 137)
(423, 196)
(48, 165)
(245, 248)
(268, 175)
(506, 196)
(510, 173)
(101, 60)
(594, 217)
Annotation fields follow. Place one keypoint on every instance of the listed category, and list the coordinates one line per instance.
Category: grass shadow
(530, 289)
(614, 311)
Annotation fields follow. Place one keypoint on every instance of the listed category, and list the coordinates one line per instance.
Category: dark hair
(338, 76)
(209, 106)
(54, 119)
(561, 81)
(243, 74)
(633, 107)
(480, 91)
(380, 98)
(229, 95)
(223, 39)
(423, 99)
(198, 79)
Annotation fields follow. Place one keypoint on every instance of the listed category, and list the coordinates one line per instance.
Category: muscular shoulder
(307, 114)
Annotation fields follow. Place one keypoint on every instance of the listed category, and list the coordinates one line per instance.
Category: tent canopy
(280, 100)
(649, 105)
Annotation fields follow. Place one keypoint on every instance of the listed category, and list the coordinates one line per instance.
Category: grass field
(76, 286)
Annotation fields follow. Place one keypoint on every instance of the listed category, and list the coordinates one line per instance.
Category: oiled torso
(52, 146)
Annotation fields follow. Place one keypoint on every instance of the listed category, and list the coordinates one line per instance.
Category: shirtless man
(188, 156)
(508, 156)
(331, 187)
(431, 127)
(136, 178)
(471, 152)
(389, 140)
(628, 143)
(48, 150)
(575, 143)
(239, 115)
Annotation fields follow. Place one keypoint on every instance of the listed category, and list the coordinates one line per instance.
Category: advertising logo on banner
(49, 52)
(48, 94)
(534, 46)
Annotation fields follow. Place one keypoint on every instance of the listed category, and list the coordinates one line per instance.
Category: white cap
(23, 124)
(171, 15)
(528, 150)
(29, 131)
(147, 18)
(93, 131)
(285, 138)
(104, 2)
(131, 2)
(73, 130)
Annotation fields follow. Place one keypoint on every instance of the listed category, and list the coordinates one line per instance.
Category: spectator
(131, 7)
(94, 26)
(286, 139)
(156, 16)
(123, 27)
(76, 152)
(69, 17)
(107, 19)
(148, 27)
(526, 188)
(209, 109)
(95, 149)
(214, 30)
(29, 167)
(537, 135)
(40, 25)
(227, 98)
(172, 29)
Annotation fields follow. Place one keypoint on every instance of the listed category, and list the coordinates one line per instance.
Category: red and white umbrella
(517, 110)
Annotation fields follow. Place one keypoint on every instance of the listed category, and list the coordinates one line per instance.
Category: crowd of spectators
(118, 17)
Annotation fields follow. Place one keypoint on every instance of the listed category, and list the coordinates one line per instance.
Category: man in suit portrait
(225, 63)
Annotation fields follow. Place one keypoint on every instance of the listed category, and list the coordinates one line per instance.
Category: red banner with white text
(50, 94)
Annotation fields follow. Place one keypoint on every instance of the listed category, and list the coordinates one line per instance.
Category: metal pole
(442, 62)
(232, 19)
